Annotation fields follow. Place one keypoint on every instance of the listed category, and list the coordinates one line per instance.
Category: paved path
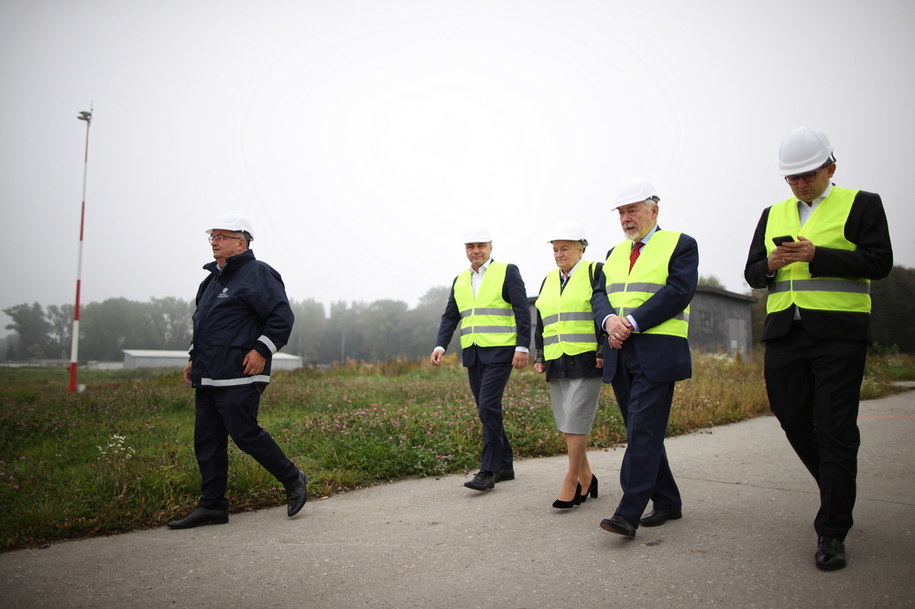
(746, 540)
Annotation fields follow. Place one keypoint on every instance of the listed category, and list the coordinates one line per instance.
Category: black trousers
(645, 473)
(487, 381)
(814, 387)
(226, 412)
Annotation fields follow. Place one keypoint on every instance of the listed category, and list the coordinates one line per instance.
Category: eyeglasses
(218, 238)
(809, 176)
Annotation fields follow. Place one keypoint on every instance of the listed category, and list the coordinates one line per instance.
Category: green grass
(119, 456)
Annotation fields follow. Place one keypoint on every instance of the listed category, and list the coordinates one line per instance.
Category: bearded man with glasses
(243, 317)
(816, 253)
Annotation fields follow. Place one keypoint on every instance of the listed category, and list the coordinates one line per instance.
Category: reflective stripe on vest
(648, 276)
(568, 324)
(487, 320)
(826, 228)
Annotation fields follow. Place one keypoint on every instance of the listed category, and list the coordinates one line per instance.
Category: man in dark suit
(816, 253)
(641, 300)
(489, 302)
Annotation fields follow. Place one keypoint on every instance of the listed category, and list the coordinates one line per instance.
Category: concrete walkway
(746, 540)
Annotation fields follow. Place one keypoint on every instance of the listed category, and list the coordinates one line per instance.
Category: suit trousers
(487, 382)
(645, 473)
(814, 388)
(225, 412)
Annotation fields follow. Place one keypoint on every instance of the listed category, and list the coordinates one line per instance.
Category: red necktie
(634, 254)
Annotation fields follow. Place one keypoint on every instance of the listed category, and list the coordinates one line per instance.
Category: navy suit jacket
(513, 292)
(664, 358)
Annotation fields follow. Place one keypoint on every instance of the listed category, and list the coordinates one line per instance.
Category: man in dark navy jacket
(641, 300)
(242, 318)
(489, 302)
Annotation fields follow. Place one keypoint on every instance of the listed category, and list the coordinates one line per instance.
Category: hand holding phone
(783, 239)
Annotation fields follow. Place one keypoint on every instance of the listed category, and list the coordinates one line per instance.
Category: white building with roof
(155, 358)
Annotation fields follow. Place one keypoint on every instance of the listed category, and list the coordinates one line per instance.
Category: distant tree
(110, 326)
(711, 281)
(893, 310)
(172, 319)
(6, 342)
(340, 326)
(376, 331)
(60, 319)
(309, 331)
(33, 331)
(382, 325)
(424, 322)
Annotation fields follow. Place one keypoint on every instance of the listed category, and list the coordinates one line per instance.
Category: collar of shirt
(804, 210)
(482, 270)
(476, 277)
(571, 270)
(649, 235)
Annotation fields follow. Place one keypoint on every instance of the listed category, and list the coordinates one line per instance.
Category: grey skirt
(574, 403)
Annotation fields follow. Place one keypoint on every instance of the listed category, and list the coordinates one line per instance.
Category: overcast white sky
(362, 136)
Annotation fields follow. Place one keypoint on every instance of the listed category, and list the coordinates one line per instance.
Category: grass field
(119, 456)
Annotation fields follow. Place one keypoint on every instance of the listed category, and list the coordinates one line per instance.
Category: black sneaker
(482, 481)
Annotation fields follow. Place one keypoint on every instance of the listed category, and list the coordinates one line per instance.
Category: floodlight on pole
(74, 343)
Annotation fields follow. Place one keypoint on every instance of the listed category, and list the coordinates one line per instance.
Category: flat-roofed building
(161, 358)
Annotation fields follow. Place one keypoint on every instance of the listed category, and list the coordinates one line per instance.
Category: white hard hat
(634, 190)
(569, 230)
(232, 221)
(804, 149)
(476, 235)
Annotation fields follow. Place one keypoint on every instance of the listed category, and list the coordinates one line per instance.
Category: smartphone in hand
(783, 239)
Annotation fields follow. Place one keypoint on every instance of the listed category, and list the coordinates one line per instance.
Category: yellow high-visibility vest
(627, 290)
(568, 323)
(487, 320)
(825, 228)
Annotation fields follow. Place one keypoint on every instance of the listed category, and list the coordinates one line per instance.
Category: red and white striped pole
(74, 343)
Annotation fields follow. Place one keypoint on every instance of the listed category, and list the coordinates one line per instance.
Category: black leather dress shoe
(658, 517)
(619, 525)
(830, 554)
(296, 494)
(482, 481)
(199, 517)
(504, 474)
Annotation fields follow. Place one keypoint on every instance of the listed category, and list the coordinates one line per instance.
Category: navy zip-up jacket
(243, 307)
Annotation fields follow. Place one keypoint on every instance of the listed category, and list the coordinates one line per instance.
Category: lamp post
(74, 344)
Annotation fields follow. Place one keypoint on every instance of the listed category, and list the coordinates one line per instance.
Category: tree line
(376, 331)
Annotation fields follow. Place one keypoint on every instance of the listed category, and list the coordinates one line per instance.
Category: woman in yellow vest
(567, 351)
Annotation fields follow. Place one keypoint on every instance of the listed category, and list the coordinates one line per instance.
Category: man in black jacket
(816, 253)
(242, 318)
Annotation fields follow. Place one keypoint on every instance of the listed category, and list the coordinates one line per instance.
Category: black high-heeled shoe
(565, 505)
(592, 489)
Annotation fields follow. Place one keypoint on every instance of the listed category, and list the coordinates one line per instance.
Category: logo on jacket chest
(224, 293)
